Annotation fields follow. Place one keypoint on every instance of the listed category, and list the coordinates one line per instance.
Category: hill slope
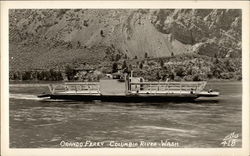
(55, 37)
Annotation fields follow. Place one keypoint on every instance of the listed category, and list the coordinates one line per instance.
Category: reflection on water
(204, 123)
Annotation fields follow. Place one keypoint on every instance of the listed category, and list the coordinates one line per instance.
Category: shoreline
(46, 83)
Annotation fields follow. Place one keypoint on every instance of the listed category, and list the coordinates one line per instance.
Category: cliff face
(52, 37)
(210, 32)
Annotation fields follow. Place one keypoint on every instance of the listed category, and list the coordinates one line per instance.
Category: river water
(60, 124)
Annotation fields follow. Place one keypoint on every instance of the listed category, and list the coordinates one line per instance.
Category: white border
(5, 5)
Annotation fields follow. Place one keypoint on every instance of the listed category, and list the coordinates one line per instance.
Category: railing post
(180, 88)
(99, 89)
(50, 88)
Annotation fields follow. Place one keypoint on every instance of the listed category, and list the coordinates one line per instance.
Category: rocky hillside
(209, 32)
(55, 37)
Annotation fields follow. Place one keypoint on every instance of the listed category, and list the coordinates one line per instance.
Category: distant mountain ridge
(42, 38)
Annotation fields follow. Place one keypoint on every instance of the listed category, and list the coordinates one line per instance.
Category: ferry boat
(133, 89)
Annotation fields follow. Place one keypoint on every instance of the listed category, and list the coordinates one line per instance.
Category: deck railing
(73, 87)
(166, 87)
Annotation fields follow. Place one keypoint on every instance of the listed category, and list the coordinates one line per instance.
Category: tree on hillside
(135, 57)
(146, 55)
(130, 68)
(114, 67)
(197, 78)
(26, 75)
(102, 34)
(229, 65)
(171, 75)
(158, 76)
(70, 72)
(124, 65)
(78, 44)
(216, 61)
(55, 75)
(216, 72)
(172, 54)
(141, 65)
(69, 45)
(117, 57)
(180, 71)
(227, 62)
(161, 62)
(125, 56)
(215, 55)
(85, 23)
